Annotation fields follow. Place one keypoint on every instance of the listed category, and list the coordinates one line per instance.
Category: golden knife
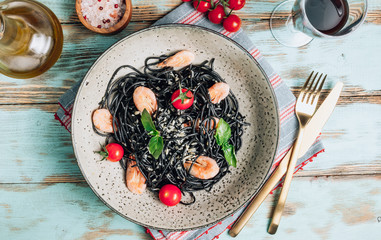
(312, 131)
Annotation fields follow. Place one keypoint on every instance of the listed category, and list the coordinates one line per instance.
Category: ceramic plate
(257, 102)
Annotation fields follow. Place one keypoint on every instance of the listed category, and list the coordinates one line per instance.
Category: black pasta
(182, 139)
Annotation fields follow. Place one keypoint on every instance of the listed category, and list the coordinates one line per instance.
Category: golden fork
(305, 107)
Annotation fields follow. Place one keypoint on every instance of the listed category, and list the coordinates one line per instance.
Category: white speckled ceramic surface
(257, 103)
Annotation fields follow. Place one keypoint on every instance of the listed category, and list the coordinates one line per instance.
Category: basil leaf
(229, 154)
(155, 146)
(147, 122)
(223, 132)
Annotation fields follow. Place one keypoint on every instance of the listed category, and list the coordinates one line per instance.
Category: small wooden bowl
(119, 26)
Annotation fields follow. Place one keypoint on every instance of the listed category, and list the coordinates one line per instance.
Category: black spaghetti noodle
(182, 139)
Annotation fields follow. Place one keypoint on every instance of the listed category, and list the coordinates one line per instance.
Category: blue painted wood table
(44, 196)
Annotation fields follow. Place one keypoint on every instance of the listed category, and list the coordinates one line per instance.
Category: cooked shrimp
(209, 123)
(211, 126)
(203, 168)
(102, 120)
(144, 98)
(135, 180)
(180, 59)
(218, 92)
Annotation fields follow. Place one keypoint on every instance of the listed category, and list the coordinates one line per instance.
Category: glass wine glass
(315, 18)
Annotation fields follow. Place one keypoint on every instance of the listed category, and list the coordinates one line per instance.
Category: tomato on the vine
(202, 5)
(170, 195)
(217, 15)
(182, 100)
(232, 23)
(236, 4)
(112, 152)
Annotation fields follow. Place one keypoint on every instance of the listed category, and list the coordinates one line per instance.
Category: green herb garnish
(229, 154)
(155, 145)
(223, 134)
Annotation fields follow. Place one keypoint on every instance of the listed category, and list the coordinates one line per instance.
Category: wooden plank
(40, 94)
(37, 149)
(348, 59)
(349, 95)
(59, 211)
(341, 59)
(352, 138)
(320, 208)
(145, 10)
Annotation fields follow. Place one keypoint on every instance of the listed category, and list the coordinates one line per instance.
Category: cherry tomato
(202, 5)
(170, 195)
(112, 152)
(182, 101)
(236, 4)
(187, 0)
(232, 23)
(217, 15)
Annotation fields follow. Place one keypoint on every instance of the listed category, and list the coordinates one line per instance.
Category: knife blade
(312, 131)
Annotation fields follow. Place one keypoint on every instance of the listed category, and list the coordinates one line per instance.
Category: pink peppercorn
(101, 14)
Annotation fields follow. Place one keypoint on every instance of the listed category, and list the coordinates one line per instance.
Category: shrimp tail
(180, 59)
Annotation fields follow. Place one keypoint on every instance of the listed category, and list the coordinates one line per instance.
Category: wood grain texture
(59, 211)
(146, 10)
(35, 147)
(41, 149)
(44, 196)
(72, 211)
(343, 59)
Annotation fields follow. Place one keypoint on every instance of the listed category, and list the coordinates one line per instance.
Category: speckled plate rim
(202, 29)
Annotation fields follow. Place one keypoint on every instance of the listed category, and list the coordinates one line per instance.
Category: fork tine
(312, 88)
(313, 82)
(308, 91)
(317, 83)
(306, 83)
(318, 91)
(321, 85)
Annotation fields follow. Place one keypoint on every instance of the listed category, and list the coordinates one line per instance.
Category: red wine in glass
(308, 19)
(327, 16)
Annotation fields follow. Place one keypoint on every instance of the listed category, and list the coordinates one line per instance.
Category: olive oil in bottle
(31, 38)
